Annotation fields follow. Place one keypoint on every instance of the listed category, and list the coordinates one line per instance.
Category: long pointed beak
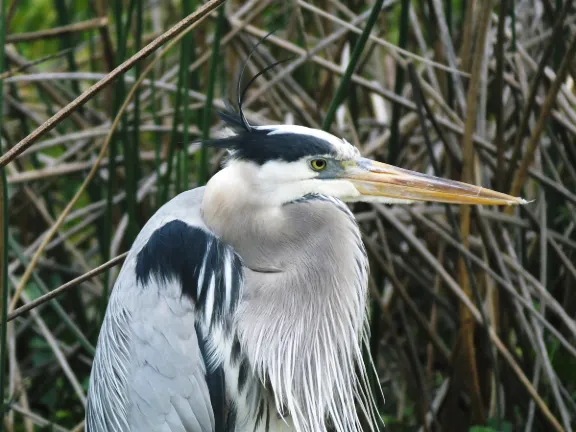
(378, 180)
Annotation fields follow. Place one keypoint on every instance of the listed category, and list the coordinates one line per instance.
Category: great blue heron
(241, 305)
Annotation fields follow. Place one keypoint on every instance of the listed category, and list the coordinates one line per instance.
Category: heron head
(283, 163)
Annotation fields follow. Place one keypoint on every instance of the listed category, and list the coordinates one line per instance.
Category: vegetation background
(472, 309)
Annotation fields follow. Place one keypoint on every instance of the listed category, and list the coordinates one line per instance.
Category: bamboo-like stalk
(172, 153)
(468, 30)
(67, 40)
(467, 328)
(557, 34)
(133, 174)
(500, 127)
(3, 228)
(91, 24)
(532, 145)
(394, 146)
(450, 215)
(214, 60)
(117, 96)
(354, 59)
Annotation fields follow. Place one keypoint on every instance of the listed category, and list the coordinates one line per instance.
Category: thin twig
(63, 288)
(58, 31)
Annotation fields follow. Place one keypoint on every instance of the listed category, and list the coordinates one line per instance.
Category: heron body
(242, 305)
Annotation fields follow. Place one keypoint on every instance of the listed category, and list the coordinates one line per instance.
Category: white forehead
(340, 145)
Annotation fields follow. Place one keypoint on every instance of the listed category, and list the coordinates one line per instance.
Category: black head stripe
(260, 146)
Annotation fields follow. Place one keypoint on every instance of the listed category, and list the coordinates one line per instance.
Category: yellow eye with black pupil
(318, 164)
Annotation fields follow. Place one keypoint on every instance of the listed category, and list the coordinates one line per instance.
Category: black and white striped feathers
(157, 365)
(208, 270)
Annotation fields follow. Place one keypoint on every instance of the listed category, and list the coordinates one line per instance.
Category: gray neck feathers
(302, 316)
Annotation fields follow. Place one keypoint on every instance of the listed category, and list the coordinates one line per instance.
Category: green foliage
(493, 425)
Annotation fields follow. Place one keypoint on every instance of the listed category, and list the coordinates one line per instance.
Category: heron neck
(309, 313)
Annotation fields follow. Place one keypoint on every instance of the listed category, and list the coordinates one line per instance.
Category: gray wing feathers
(149, 373)
(107, 396)
(168, 387)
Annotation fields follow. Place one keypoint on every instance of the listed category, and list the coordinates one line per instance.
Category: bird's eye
(318, 164)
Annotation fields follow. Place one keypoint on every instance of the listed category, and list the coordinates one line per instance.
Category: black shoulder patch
(199, 261)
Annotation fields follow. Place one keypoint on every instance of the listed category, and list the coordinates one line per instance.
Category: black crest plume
(249, 143)
(230, 117)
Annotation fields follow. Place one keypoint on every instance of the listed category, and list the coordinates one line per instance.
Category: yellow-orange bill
(376, 179)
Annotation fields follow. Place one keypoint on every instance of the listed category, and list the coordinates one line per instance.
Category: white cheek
(279, 194)
(284, 172)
